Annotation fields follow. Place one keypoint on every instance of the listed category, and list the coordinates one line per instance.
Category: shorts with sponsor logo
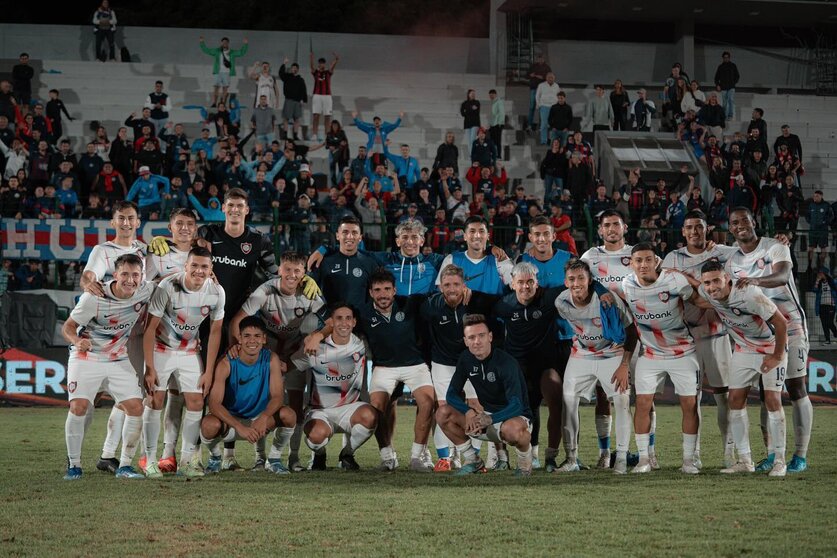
(386, 378)
(442, 375)
(321, 104)
(582, 375)
(493, 432)
(683, 372)
(714, 355)
(797, 357)
(339, 419)
(745, 372)
(184, 366)
(85, 378)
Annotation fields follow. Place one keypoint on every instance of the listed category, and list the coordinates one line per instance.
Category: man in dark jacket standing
(22, 75)
(296, 95)
(726, 77)
(561, 119)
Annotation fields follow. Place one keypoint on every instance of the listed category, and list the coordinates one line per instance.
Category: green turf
(399, 514)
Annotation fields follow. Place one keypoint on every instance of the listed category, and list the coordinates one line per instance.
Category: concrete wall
(177, 45)
(647, 63)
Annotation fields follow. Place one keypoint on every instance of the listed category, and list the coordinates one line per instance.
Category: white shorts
(222, 79)
(85, 378)
(441, 375)
(492, 433)
(385, 378)
(797, 358)
(581, 376)
(339, 419)
(321, 104)
(746, 372)
(185, 367)
(713, 356)
(683, 372)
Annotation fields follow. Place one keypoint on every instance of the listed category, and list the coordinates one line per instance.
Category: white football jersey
(107, 321)
(760, 262)
(337, 373)
(181, 311)
(163, 266)
(589, 342)
(745, 313)
(103, 257)
(659, 314)
(609, 268)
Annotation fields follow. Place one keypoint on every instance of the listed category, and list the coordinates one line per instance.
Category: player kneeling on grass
(337, 373)
(171, 345)
(98, 330)
(597, 356)
(760, 332)
(504, 416)
(246, 400)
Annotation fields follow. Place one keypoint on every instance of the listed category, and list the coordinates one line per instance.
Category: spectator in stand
(223, 67)
(7, 102)
(89, 165)
(553, 169)
(204, 142)
(104, 27)
(377, 132)
(447, 154)
(438, 233)
(337, 145)
(68, 199)
(321, 102)
(758, 123)
(695, 201)
(621, 205)
(6, 134)
(63, 154)
(546, 96)
(146, 189)
(742, 194)
(537, 75)
(498, 122)
(150, 156)
(482, 150)
(673, 91)
(787, 163)
(826, 295)
(423, 183)
(560, 119)
(296, 95)
(470, 111)
(694, 99)
(621, 104)
(300, 218)
(508, 228)
(675, 216)
(653, 210)
(110, 185)
(64, 171)
(39, 163)
(426, 209)
(769, 188)
(265, 84)
(17, 157)
(138, 123)
(40, 123)
(479, 206)
(102, 142)
(633, 192)
(94, 209)
(480, 179)
(711, 115)
(819, 217)
(755, 142)
(159, 106)
(29, 275)
(40, 206)
(456, 205)
(789, 201)
(642, 110)
(407, 169)
(726, 78)
(379, 175)
(562, 223)
(600, 202)
(12, 198)
(794, 145)
(122, 153)
(579, 180)
(263, 122)
(584, 149)
(371, 215)
(755, 167)
(694, 135)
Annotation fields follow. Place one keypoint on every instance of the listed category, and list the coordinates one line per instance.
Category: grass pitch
(409, 514)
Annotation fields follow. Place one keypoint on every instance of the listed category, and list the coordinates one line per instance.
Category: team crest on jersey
(246, 247)
(760, 263)
(736, 311)
(204, 310)
(626, 260)
(490, 377)
(356, 357)
(299, 311)
(399, 316)
(138, 306)
(597, 322)
(537, 314)
(664, 296)
(71, 387)
(357, 272)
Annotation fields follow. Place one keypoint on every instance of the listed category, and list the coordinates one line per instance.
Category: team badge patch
(597, 322)
(357, 272)
(399, 316)
(490, 377)
(537, 314)
(736, 311)
(760, 263)
(299, 311)
(664, 296)
(246, 247)
(204, 310)
(356, 357)
(138, 306)
(71, 387)
(626, 260)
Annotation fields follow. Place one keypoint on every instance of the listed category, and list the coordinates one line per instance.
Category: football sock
(739, 423)
(603, 426)
(172, 418)
(228, 452)
(700, 421)
(212, 445)
(502, 455)
(622, 410)
(131, 432)
(281, 438)
(765, 430)
(151, 431)
(524, 458)
(689, 442)
(260, 446)
(74, 435)
(387, 453)
(476, 443)
(551, 453)
(642, 441)
(441, 442)
(416, 451)
(191, 435)
(115, 423)
(88, 417)
(803, 420)
(652, 432)
(359, 435)
(296, 440)
(778, 433)
(315, 447)
(467, 453)
(571, 425)
(722, 403)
